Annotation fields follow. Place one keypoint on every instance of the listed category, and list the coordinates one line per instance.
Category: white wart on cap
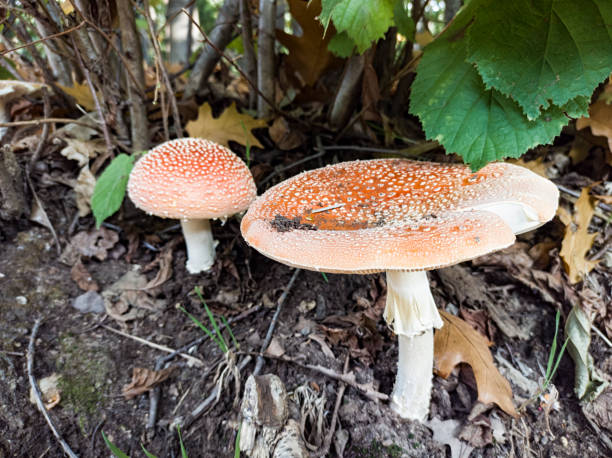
(193, 180)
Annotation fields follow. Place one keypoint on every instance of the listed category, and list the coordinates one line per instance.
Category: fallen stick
(270, 333)
(38, 396)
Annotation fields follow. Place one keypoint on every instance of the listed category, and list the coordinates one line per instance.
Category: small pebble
(564, 442)
(21, 300)
(2, 275)
(89, 302)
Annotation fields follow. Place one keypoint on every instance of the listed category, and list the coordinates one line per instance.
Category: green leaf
(110, 188)
(113, 448)
(578, 107)
(543, 52)
(588, 383)
(146, 452)
(364, 22)
(457, 110)
(341, 45)
(403, 20)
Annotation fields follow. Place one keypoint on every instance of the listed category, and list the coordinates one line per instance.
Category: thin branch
(32, 43)
(107, 138)
(265, 59)
(160, 68)
(36, 122)
(192, 359)
(38, 396)
(270, 333)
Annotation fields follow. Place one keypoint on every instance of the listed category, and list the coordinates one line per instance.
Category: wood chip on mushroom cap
(191, 178)
(388, 214)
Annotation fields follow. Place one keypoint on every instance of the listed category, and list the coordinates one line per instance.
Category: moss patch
(84, 367)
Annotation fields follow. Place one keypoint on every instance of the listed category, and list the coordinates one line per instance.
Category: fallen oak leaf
(309, 55)
(231, 125)
(82, 95)
(144, 380)
(577, 240)
(457, 342)
(599, 120)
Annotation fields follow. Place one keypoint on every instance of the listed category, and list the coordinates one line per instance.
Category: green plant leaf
(113, 448)
(577, 107)
(403, 20)
(110, 188)
(588, 383)
(147, 453)
(364, 22)
(341, 45)
(458, 111)
(543, 52)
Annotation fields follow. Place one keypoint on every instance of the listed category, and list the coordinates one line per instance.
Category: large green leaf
(542, 52)
(456, 109)
(110, 188)
(364, 21)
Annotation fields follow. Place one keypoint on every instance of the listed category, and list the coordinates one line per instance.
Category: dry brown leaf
(537, 165)
(604, 199)
(49, 390)
(599, 120)
(457, 342)
(577, 241)
(94, 243)
(231, 125)
(81, 94)
(84, 188)
(285, 137)
(82, 150)
(144, 380)
(308, 54)
(82, 277)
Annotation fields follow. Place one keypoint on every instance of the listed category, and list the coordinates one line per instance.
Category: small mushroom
(194, 180)
(402, 217)
(9, 91)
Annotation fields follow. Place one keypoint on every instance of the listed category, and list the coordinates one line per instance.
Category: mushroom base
(412, 391)
(410, 308)
(200, 245)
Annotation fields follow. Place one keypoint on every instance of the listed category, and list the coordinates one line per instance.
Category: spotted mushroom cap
(392, 214)
(191, 178)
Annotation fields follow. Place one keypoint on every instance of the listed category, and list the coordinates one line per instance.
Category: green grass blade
(183, 449)
(146, 452)
(554, 370)
(226, 324)
(113, 448)
(325, 277)
(212, 321)
(553, 348)
(237, 444)
(202, 327)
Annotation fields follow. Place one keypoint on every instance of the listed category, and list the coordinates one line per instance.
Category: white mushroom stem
(4, 117)
(200, 245)
(412, 313)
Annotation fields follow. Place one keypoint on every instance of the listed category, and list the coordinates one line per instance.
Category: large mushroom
(402, 217)
(193, 180)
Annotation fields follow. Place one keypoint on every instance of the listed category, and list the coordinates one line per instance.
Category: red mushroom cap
(391, 214)
(191, 178)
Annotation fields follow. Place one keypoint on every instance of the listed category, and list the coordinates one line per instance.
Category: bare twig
(107, 138)
(32, 43)
(250, 63)
(196, 361)
(38, 396)
(270, 333)
(161, 361)
(349, 378)
(220, 37)
(265, 60)
(45, 131)
(161, 69)
(201, 408)
(36, 122)
(324, 450)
